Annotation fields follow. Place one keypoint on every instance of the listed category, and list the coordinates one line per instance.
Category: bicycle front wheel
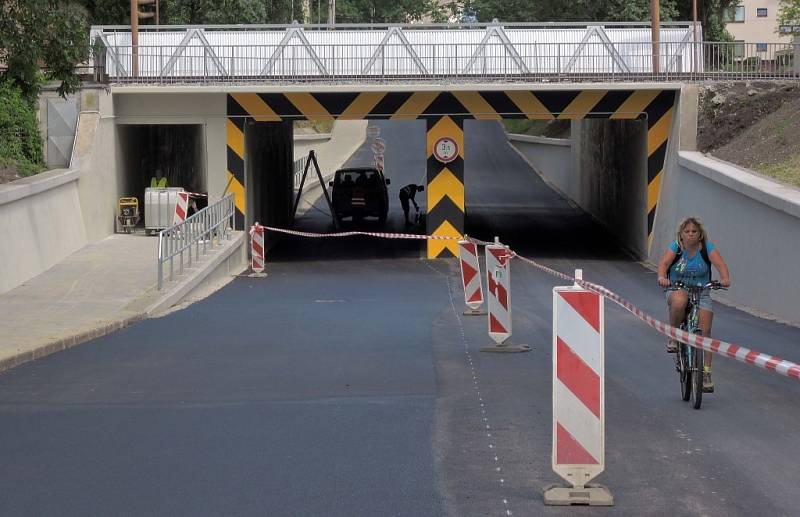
(684, 369)
(697, 378)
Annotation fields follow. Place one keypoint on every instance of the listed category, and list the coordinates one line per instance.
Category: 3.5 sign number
(445, 149)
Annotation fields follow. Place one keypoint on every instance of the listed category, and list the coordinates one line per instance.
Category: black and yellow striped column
(235, 159)
(445, 187)
(241, 107)
(659, 125)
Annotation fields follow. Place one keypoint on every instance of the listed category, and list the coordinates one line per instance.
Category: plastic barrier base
(474, 312)
(591, 495)
(509, 349)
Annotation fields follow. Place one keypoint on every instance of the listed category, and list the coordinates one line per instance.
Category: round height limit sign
(445, 149)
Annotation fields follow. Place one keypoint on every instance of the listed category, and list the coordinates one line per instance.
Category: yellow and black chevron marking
(446, 108)
(445, 188)
(659, 125)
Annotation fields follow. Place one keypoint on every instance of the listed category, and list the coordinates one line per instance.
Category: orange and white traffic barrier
(498, 281)
(257, 249)
(181, 208)
(471, 277)
(578, 396)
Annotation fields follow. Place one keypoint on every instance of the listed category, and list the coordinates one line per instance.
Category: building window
(761, 12)
(761, 47)
(738, 49)
(737, 14)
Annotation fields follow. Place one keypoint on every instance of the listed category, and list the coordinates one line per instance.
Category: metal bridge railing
(453, 63)
(196, 235)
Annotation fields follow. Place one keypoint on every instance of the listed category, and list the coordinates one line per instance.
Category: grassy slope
(756, 126)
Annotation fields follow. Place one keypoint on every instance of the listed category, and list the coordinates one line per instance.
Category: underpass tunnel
(604, 189)
(269, 152)
(174, 151)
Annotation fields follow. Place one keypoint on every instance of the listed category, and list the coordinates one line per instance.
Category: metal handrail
(383, 26)
(435, 62)
(201, 231)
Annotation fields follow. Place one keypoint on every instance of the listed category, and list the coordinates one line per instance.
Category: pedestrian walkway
(104, 286)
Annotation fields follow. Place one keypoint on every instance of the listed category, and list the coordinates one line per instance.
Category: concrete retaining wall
(754, 221)
(551, 158)
(40, 224)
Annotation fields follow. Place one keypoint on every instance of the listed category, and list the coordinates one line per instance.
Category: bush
(20, 141)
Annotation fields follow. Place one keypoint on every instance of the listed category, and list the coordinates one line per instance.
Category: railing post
(160, 259)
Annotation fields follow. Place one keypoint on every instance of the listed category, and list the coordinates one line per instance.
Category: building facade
(754, 24)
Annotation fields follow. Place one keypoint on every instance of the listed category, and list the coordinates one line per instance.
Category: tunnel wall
(602, 169)
(610, 177)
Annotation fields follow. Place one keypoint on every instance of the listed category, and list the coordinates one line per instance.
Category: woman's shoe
(708, 384)
(672, 346)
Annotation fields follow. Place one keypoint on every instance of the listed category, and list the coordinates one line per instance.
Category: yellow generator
(128, 213)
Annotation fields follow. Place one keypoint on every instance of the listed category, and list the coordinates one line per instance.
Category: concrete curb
(68, 342)
(183, 287)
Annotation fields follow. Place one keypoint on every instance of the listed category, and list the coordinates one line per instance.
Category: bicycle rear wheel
(697, 378)
(684, 370)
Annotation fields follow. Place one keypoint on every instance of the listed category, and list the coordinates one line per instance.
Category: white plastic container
(159, 207)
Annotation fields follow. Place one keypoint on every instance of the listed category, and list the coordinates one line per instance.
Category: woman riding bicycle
(688, 259)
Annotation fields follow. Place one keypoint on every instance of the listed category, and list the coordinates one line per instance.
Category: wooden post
(655, 25)
(696, 43)
(134, 38)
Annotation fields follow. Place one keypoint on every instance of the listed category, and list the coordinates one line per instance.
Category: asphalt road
(348, 383)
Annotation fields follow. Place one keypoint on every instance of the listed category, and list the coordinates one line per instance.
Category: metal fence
(200, 232)
(452, 63)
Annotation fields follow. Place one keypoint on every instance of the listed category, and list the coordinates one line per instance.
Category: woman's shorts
(705, 300)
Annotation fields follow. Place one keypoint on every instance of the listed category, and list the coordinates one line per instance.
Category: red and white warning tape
(368, 234)
(739, 353)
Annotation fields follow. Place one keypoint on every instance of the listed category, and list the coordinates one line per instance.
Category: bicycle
(689, 361)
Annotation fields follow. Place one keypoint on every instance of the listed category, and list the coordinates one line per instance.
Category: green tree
(575, 11)
(789, 12)
(20, 142)
(381, 11)
(36, 34)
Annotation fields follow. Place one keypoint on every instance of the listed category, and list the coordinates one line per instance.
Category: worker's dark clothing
(407, 193)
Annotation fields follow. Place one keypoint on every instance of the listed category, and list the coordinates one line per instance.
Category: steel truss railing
(384, 53)
(548, 62)
(195, 236)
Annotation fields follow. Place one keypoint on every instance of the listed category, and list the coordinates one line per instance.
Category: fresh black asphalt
(348, 383)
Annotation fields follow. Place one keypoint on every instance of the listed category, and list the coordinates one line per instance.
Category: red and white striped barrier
(471, 277)
(181, 208)
(578, 396)
(498, 281)
(257, 249)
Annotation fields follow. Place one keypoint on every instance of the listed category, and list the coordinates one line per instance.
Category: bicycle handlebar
(676, 286)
